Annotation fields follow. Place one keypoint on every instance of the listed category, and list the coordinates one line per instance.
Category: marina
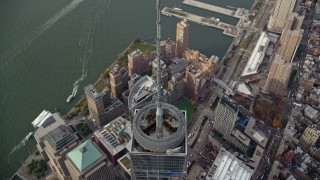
(228, 29)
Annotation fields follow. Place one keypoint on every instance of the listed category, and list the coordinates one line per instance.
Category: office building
(118, 80)
(164, 74)
(113, 138)
(158, 158)
(168, 50)
(159, 145)
(289, 43)
(281, 12)
(177, 66)
(278, 77)
(88, 162)
(309, 137)
(97, 101)
(52, 122)
(138, 63)
(182, 37)
(227, 167)
(194, 82)
(200, 61)
(57, 144)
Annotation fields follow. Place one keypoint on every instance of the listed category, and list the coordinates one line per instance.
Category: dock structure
(234, 13)
(228, 29)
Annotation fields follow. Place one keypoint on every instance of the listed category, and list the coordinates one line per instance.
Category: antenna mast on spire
(159, 112)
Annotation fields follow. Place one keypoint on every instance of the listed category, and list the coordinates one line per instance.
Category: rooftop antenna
(159, 112)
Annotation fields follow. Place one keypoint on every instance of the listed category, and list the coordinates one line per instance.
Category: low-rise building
(88, 162)
(226, 166)
(113, 138)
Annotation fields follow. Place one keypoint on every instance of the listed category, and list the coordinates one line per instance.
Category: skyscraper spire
(159, 112)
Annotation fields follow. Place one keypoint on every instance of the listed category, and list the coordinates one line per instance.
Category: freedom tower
(158, 149)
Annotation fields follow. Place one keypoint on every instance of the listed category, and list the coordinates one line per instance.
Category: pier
(228, 29)
(237, 12)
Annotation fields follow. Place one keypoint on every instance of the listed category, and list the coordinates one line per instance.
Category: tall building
(168, 50)
(194, 81)
(164, 73)
(281, 12)
(159, 144)
(57, 144)
(101, 107)
(97, 101)
(175, 88)
(226, 116)
(200, 61)
(294, 21)
(177, 66)
(289, 42)
(87, 161)
(182, 37)
(278, 77)
(309, 137)
(227, 167)
(118, 80)
(138, 63)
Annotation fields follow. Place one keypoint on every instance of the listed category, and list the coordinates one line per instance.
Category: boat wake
(85, 42)
(18, 146)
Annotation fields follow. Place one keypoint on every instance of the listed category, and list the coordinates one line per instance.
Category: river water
(48, 47)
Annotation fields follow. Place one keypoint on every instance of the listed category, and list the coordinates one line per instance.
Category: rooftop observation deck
(228, 29)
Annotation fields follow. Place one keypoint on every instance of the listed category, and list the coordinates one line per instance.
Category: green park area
(186, 105)
(83, 128)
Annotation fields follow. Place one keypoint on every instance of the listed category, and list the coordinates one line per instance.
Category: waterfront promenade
(228, 29)
(212, 8)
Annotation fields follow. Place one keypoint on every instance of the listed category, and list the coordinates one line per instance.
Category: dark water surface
(48, 46)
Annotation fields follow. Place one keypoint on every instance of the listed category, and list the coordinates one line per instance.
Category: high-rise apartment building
(194, 81)
(281, 12)
(138, 63)
(101, 107)
(226, 116)
(294, 21)
(164, 73)
(168, 50)
(118, 80)
(182, 37)
(309, 137)
(97, 101)
(200, 61)
(175, 88)
(278, 77)
(289, 43)
(177, 66)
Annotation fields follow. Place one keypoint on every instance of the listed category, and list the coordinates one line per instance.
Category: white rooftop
(258, 137)
(242, 88)
(43, 116)
(227, 167)
(257, 55)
